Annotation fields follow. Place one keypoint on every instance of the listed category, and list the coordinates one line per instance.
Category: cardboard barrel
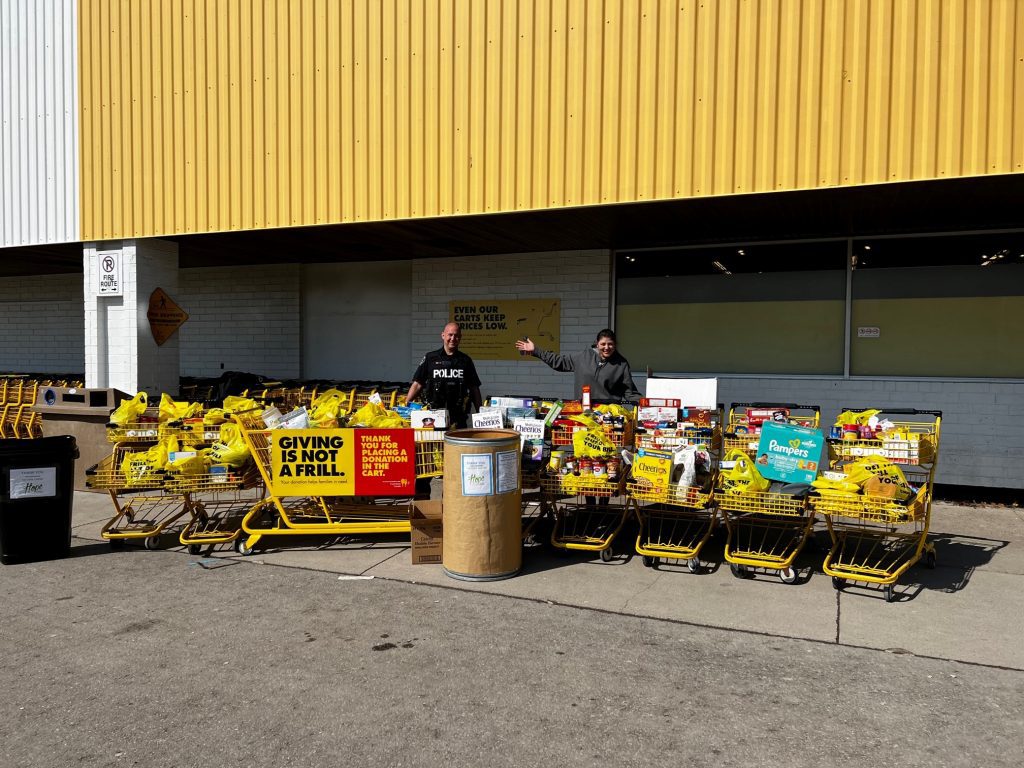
(483, 538)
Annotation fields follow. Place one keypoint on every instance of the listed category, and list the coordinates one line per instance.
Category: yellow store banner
(490, 327)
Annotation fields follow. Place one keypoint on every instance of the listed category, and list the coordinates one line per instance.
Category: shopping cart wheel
(607, 555)
(738, 570)
(890, 594)
(195, 549)
(693, 565)
(152, 542)
(788, 575)
(838, 583)
(650, 562)
(929, 558)
(242, 545)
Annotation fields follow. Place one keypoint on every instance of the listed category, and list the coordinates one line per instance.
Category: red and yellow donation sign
(343, 462)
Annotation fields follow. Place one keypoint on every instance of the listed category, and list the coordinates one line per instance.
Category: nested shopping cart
(588, 512)
(329, 515)
(765, 530)
(876, 539)
(742, 429)
(148, 505)
(676, 523)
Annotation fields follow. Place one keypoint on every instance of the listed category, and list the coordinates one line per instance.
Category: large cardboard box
(426, 532)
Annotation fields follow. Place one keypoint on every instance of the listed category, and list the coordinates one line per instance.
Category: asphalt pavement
(326, 651)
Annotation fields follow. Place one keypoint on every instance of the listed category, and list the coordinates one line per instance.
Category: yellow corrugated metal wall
(204, 115)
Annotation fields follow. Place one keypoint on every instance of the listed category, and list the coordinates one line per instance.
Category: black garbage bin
(36, 496)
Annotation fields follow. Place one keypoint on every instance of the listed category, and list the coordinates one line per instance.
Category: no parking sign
(108, 274)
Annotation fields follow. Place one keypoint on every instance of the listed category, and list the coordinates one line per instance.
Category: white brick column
(119, 347)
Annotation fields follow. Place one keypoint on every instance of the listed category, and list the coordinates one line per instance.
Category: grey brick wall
(241, 318)
(42, 326)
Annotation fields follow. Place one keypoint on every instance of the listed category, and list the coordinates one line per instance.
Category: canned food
(556, 460)
(586, 467)
(612, 467)
(867, 433)
(599, 469)
(851, 432)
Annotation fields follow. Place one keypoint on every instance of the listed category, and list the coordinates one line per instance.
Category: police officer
(447, 378)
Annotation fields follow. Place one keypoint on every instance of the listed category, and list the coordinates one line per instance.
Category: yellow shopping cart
(876, 539)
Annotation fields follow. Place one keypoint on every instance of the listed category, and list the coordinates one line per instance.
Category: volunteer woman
(599, 366)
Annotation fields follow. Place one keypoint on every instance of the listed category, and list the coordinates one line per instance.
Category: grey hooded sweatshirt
(610, 380)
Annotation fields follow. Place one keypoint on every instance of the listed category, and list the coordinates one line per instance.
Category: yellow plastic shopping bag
(860, 418)
(174, 410)
(230, 448)
(877, 476)
(590, 443)
(743, 476)
(129, 411)
(327, 408)
(146, 468)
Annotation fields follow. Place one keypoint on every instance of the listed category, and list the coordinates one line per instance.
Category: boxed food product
(659, 402)
(658, 414)
(756, 416)
(652, 469)
(489, 418)
(512, 402)
(698, 417)
(437, 419)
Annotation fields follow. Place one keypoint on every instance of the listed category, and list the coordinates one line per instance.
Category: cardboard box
(659, 402)
(426, 532)
(491, 419)
(658, 414)
(512, 402)
(653, 469)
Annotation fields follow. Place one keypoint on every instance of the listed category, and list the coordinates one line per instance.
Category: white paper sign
(488, 420)
(34, 483)
(108, 273)
(528, 429)
(696, 393)
(508, 471)
(477, 475)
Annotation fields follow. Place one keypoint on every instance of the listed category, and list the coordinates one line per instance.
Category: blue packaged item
(788, 453)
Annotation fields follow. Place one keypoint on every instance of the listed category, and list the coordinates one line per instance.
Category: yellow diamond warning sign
(165, 317)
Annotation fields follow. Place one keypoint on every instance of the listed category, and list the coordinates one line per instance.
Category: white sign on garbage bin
(32, 483)
(108, 273)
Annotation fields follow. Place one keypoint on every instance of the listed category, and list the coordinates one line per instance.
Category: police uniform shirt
(446, 380)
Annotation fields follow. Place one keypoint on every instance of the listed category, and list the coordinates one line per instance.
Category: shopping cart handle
(897, 411)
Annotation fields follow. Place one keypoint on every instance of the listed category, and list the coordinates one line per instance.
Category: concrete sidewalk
(970, 608)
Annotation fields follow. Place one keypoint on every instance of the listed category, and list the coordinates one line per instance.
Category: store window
(947, 306)
(775, 308)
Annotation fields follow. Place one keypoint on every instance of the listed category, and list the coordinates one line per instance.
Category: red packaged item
(658, 402)
(757, 416)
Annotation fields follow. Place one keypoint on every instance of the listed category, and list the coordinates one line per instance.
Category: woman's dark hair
(606, 333)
